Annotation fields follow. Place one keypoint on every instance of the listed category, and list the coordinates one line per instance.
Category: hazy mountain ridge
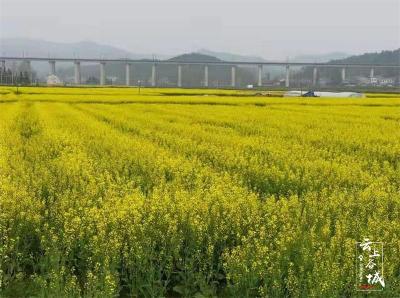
(196, 57)
(320, 58)
(383, 57)
(225, 56)
(248, 58)
(88, 49)
(84, 49)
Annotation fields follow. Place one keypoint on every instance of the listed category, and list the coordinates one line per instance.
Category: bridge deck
(245, 63)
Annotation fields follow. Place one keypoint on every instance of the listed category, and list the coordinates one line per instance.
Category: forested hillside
(384, 57)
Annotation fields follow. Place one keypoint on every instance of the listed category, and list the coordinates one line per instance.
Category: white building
(53, 80)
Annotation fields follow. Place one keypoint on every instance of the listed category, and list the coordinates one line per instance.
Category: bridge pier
(343, 74)
(206, 76)
(315, 76)
(260, 69)
(230, 66)
(77, 68)
(287, 83)
(29, 70)
(52, 65)
(3, 70)
(179, 75)
(233, 76)
(102, 73)
(127, 73)
(153, 75)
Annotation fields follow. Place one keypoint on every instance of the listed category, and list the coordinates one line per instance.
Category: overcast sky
(271, 29)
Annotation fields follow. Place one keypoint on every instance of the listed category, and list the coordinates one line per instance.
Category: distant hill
(196, 57)
(231, 57)
(271, 71)
(249, 58)
(320, 58)
(384, 57)
(274, 71)
(83, 49)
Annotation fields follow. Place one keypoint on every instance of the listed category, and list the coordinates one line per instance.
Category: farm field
(105, 192)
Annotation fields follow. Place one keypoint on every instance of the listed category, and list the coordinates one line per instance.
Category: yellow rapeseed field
(105, 192)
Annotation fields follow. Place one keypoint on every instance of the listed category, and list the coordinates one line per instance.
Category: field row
(168, 199)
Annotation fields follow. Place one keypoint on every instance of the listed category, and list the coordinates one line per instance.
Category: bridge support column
(153, 75)
(3, 70)
(102, 73)
(287, 83)
(52, 65)
(29, 70)
(77, 68)
(206, 76)
(233, 76)
(315, 76)
(179, 76)
(343, 74)
(260, 69)
(127, 74)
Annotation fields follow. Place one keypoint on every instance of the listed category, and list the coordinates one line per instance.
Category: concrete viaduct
(128, 63)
